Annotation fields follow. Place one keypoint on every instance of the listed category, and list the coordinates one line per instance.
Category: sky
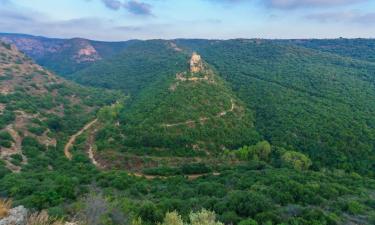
(115, 20)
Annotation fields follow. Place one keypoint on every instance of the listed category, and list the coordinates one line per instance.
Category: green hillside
(359, 48)
(64, 56)
(188, 138)
(303, 99)
(188, 110)
(140, 66)
(39, 110)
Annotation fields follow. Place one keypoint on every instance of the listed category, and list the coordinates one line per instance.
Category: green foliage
(5, 139)
(172, 218)
(37, 130)
(3, 170)
(204, 217)
(16, 159)
(302, 99)
(362, 49)
(248, 222)
(108, 114)
(6, 118)
(296, 160)
(294, 97)
(354, 207)
(260, 151)
(187, 117)
(186, 169)
(142, 64)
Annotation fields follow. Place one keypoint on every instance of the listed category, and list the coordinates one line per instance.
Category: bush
(172, 218)
(43, 218)
(354, 207)
(5, 143)
(248, 222)
(196, 168)
(260, 151)
(37, 130)
(5, 206)
(204, 217)
(16, 159)
(296, 160)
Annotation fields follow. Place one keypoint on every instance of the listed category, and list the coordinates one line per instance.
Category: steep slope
(311, 101)
(141, 65)
(361, 49)
(191, 113)
(64, 56)
(315, 102)
(37, 109)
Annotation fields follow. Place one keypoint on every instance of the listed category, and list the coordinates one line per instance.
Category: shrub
(204, 217)
(296, 160)
(248, 222)
(195, 168)
(16, 159)
(5, 206)
(260, 151)
(43, 218)
(5, 143)
(172, 218)
(354, 207)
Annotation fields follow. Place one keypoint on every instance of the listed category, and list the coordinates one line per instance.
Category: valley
(268, 131)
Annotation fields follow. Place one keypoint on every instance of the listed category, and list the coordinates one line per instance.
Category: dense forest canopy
(246, 132)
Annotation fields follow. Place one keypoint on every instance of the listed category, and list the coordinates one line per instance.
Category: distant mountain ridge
(38, 108)
(64, 56)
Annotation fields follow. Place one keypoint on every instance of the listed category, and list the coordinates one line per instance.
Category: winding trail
(202, 119)
(73, 138)
(91, 155)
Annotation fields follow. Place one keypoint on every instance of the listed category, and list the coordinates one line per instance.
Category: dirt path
(189, 177)
(91, 155)
(72, 139)
(90, 150)
(202, 119)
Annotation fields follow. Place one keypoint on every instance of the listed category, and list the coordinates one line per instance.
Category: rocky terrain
(31, 99)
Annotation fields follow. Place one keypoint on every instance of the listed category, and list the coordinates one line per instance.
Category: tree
(248, 222)
(260, 151)
(172, 218)
(296, 160)
(204, 217)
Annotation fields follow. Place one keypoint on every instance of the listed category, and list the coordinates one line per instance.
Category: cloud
(128, 28)
(112, 4)
(138, 8)
(134, 7)
(293, 4)
(344, 17)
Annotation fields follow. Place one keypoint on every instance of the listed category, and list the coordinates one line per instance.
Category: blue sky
(168, 19)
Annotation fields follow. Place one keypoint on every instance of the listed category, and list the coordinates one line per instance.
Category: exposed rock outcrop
(196, 64)
(17, 216)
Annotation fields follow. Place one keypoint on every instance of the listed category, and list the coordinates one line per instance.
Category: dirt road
(72, 139)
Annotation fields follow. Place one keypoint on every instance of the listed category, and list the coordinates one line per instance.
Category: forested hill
(141, 65)
(213, 131)
(359, 48)
(190, 109)
(303, 99)
(64, 56)
(38, 111)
